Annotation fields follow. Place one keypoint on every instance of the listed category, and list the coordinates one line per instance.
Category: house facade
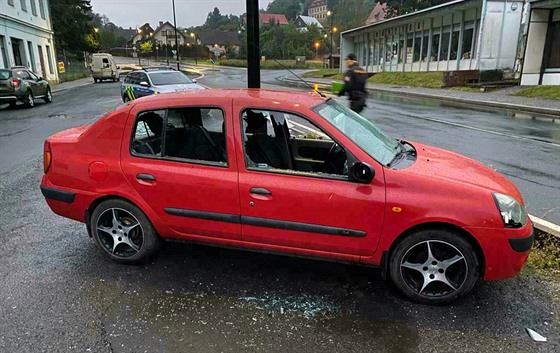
(459, 35)
(165, 34)
(219, 41)
(302, 22)
(318, 9)
(26, 37)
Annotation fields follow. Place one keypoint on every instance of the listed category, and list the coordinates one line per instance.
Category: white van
(104, 67)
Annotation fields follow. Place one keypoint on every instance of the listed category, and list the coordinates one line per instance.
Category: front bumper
(505, 250)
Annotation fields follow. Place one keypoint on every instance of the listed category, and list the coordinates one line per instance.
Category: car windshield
(169, 78)
(5, 74)
(361, 131)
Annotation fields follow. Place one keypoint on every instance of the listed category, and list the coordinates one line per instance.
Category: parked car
(19, 84)
(104, 67)
(155, 80)
(292, 173)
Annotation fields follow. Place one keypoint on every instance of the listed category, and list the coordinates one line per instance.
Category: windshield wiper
(403, 151)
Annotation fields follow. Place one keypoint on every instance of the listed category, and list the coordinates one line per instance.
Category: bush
(413, 79)
(271, 64)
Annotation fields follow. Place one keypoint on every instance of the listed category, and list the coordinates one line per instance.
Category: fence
(75, 65)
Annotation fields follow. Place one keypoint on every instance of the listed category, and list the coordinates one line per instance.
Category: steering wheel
(331, 160)
(138, 144)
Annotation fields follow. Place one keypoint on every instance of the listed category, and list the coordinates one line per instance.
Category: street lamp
(96, 30)
(317, 49)
(333, 29)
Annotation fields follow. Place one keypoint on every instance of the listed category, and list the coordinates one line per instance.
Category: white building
(26, 37)
(462, 35)
(541, 63)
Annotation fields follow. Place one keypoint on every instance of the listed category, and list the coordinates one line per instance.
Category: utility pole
(176, 42)
(253, 46)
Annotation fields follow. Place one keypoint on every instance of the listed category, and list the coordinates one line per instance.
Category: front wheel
(123, 232)
(434, 267)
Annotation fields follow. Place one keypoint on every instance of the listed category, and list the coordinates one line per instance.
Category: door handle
(145, 177)
(260, 191)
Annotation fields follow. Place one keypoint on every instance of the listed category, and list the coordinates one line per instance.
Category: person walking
(355, 80)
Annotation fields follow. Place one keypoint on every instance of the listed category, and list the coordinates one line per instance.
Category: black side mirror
(118, 67)
(361, 173)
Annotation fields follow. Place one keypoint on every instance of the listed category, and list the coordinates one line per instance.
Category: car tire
(125, 98)
(29, 100)
(434, 266)
(94, 80)
(48, 96)
(120, 222)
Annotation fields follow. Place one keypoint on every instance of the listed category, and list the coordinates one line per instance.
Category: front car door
(296, 194)
(180, 159)
(40, 86)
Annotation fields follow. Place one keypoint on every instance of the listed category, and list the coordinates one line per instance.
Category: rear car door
(181, 161)
(26, 77)
(305, 200)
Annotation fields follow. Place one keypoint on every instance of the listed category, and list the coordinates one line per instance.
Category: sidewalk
(72, 84)
(499, 99)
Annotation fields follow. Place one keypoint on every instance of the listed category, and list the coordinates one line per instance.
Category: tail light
(47, 157)
(15, 82)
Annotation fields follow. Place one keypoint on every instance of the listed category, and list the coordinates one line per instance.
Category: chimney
(160, 23)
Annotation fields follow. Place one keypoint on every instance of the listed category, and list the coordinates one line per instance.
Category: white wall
(24, 27)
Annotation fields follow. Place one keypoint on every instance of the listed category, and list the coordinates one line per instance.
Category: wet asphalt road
(59, 294)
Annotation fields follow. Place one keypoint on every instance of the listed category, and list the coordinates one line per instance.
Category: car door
(180, 173)
(40, 86)
(141, 91)
(306, 207)
(26, 77)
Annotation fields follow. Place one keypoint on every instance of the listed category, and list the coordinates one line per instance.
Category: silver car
(150, 81)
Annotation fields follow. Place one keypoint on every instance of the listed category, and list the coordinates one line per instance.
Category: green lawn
(272, 64)
(550, 92)
(321, 73)
(412, 79)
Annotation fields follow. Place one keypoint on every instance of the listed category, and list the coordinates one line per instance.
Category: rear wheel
(94, 80)
(123, 232)
(48, 96)
(29, 100)
(434, 266)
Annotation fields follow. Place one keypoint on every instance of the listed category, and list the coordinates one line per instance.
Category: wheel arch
(386, 258)
(99, 200)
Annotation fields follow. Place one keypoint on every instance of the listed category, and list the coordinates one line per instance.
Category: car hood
(452, 167)
(178, 88)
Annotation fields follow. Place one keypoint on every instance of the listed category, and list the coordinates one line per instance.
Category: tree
(290, 8)
(401, 7)
(72, 26)
(146, 47)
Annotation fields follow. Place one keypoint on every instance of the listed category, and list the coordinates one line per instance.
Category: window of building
(444, 48)
(425, 45)
(466, 50)
(42, 9)
(33, 7)
(417, 47)
(23, 5)
(11, 2)
(280, 141)
(49, 59)
(454, 45)
(3, 52)
(435, 47)
(31, 56)
(553, 60)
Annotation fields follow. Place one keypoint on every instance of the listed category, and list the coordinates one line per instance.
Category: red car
(290, 173)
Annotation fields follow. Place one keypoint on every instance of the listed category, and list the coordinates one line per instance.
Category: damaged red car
(291, 173)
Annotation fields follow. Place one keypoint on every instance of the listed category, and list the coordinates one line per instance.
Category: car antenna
(315, 89)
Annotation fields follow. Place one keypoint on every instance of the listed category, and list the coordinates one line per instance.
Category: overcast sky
(132, 13)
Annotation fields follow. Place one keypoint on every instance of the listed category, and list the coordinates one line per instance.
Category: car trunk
(6, 87)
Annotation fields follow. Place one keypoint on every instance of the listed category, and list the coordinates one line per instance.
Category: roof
(316, 3)
(277, 98)
(168, 23)
(405, 16)
(378, 13)
(308, 20)
(266, 18)
(218, 37)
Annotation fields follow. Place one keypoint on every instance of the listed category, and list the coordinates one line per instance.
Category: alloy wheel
(434, 268)
(119, 233)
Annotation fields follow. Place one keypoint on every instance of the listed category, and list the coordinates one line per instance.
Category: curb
(552, 113)
(545, 226)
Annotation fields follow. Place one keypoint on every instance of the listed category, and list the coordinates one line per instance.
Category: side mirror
(144, 84)
(40, 78)
(194, 80)
(361, 173)
(118, 67)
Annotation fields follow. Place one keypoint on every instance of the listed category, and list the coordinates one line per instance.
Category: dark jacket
(355, 81)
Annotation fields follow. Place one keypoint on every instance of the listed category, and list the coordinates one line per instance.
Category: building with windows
(302, 22)
(144, 32)
(165, 34)
(318, 9)
(541, 57)
(218, 42)
(460, 35)
(26, 37)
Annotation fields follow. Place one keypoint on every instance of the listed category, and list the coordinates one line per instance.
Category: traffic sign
(212, 61)
(174, 51)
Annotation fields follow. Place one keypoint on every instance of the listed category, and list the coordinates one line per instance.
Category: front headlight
(512, 212)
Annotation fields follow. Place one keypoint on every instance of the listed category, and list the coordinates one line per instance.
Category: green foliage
(287, 42)
(545, 253)
(550, 92)
(290, 8)
(71, 21)
(216, 21)
(413, 79)
(146, 47)
(271, 64)
(321, 73)
(401, 7)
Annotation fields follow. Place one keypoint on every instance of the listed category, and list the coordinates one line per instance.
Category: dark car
(21, 84)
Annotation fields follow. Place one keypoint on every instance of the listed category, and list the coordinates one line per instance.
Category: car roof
(257, 97)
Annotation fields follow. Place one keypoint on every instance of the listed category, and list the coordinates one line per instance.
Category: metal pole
(253, 50)
(331, 61)
(176, 42)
